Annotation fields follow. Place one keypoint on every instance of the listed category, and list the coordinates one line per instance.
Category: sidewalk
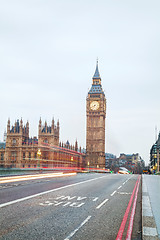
(151, 207)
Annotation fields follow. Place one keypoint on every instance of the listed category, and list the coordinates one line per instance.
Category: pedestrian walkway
(151, 207)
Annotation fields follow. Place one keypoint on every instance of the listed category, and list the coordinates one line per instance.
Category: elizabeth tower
(96, 114)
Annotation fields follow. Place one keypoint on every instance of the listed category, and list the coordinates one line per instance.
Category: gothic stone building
(21, 151)
(96, 114)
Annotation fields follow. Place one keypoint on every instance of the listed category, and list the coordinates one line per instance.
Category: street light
(97, 167)
(88, 166)
(157, 159)
(39, 155)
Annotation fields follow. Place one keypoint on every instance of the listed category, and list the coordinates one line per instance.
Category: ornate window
(14, 141)
(2, 156)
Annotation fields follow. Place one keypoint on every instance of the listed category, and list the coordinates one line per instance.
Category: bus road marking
(47, 192)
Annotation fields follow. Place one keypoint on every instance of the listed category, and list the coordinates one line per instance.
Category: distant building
(133, 162)
(110, 160)
(154, 156)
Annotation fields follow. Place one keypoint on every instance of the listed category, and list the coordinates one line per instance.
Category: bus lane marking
(47, 192)
(70, 201)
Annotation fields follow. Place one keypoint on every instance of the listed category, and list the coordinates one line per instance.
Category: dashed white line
(119, 187)
(100, 205)
(46, 192)
(113, 193)
(72, 233)
(95, 199)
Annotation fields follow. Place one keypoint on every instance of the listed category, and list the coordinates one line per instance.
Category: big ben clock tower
(96, 114)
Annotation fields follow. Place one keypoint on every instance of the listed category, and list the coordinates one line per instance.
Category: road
(85, 206)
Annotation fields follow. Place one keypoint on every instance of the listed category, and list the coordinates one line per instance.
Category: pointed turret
(96, 82)
(52, 127)
(27, 129)
(58, 124)
(76, 146)
(53, 122)
(5, 136)
(8, 126)
(40, 126)
(96, 74)
(21, 125)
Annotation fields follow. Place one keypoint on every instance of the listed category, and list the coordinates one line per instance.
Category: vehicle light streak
(46, 192)
(31, 177)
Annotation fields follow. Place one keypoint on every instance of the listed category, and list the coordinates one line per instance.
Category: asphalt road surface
(85, 206)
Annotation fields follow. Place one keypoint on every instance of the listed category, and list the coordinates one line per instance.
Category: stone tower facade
(22, 151)
(95, 132)
(48, 134)
(17, 135)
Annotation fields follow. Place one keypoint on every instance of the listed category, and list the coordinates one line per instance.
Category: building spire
(96, 74)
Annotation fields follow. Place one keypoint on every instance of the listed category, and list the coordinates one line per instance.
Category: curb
(149, 230)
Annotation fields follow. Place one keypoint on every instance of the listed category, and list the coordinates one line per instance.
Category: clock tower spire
(95, 131)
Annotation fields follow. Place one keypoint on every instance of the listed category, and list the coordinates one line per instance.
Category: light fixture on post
(39, 156)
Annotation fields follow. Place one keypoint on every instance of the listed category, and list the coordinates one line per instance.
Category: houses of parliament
(46, 151)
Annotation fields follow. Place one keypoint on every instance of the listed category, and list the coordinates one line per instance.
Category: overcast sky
(48, 52)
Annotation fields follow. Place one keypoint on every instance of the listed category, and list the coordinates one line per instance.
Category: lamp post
(88, 166)
(97, 167)
(39, 155)
(71, 162)
(157, 159)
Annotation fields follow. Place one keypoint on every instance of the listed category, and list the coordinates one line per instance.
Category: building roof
(96, 74)
(96, 89)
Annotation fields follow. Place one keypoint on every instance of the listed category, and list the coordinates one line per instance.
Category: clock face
(94, 105)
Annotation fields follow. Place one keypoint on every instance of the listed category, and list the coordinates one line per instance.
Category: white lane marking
(124, 193)
(72, 233)
(49, 191)
(147, 231)
(113, 193)
(119, 187)
(100, 205)
(95, 199)
(124, 183)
